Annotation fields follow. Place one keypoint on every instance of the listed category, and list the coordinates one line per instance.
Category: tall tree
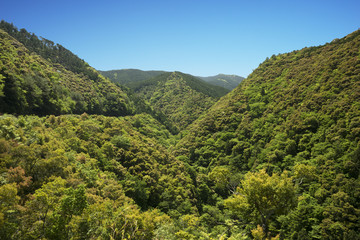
(261, 198)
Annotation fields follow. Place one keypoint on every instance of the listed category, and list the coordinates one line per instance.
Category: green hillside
(297, 114)
(125, 76)
(226, 81)
(48, 79)
(181, 97)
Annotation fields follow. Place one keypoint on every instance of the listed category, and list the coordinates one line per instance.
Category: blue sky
(193, 36)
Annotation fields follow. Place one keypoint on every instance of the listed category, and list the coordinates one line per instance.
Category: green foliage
(88, 176)
(303, 221)
(142, 106)
(150, 127)
(48, 50)
(120, 141)
(8, 210)
(262, 198)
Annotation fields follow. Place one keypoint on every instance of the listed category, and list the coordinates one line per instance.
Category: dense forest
(181, 97)
(82, 157)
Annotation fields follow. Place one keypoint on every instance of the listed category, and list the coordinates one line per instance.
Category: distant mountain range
(125, 76)
(226, 81)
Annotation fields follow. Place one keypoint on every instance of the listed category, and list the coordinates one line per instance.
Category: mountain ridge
(129, 76)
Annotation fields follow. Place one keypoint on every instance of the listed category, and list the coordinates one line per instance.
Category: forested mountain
(297, 117)
(226, 81)
(125, 76)
(38, 77)
(276, 158)
(181, 97)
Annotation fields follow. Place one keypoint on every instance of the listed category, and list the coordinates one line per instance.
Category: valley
(131, 154)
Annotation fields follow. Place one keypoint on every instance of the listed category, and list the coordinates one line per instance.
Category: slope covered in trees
(30, 84)
(297, 115)
(226, 81)
(51, 51)
(181, 97)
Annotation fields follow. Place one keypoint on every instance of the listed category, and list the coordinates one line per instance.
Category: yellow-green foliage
(86, 176)
(261, 198)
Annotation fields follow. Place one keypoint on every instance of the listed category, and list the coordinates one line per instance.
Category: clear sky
(200, 37)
